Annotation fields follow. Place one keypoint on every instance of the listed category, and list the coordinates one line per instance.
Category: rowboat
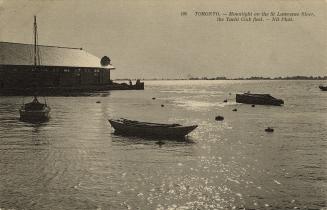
(137, 128)
(261, 99)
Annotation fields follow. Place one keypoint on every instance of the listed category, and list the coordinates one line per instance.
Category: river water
(74, 161)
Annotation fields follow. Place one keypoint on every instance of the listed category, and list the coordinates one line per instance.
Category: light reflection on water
(74, 161)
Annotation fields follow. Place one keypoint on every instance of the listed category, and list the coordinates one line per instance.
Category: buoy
(253, 105)
(162, 105)
(98, 102)
(269, 129)
(160, 143)
(225, 100)
(153, 98)
(234, 110)
(219, 118)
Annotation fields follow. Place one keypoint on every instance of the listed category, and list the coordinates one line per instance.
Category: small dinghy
(137, 128)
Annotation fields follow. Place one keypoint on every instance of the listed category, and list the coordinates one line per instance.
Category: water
(75, 161)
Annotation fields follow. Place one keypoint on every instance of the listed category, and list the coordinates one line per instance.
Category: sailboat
(35, 111)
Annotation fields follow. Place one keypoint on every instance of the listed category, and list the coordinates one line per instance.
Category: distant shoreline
(249, 78)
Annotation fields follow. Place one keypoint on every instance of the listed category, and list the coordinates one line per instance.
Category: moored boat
(261, 99)
(34, 111)
(137, 128)
(323, 88)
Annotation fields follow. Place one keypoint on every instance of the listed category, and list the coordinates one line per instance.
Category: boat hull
(151, 130)
(35, 115)
(260, 99)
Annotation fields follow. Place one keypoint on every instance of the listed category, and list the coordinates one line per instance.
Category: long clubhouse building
(59, 67)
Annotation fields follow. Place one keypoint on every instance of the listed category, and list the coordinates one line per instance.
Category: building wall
(25, 76)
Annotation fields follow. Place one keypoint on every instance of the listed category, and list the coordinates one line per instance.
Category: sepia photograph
(163, 105)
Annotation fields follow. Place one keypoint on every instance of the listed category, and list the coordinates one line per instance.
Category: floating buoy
(160, 143)
(225, 101)
(234, 110)
(219, 118)
(153, 98)
(162, 105)
(253, 105)
(98, 102)
(269, 129)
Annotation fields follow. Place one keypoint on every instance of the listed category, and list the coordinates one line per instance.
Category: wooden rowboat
(137, 128)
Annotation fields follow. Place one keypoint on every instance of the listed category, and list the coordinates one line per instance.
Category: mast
(35, 57)
(35, 48)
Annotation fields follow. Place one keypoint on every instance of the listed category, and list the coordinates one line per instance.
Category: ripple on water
(75, 161)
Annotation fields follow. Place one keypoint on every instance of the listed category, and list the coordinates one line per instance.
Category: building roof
(23, 54)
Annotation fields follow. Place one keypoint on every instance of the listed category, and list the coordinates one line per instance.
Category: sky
(151, 39)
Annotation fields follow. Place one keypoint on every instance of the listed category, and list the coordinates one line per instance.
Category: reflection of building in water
(59, 67)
